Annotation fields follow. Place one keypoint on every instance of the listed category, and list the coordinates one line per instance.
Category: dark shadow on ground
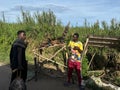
(44, 82)
(5, 75)
(49, 77)
(47, 80)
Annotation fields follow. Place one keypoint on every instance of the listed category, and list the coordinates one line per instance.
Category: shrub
(84, 67)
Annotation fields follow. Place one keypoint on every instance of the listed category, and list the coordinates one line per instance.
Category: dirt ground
(43, 82)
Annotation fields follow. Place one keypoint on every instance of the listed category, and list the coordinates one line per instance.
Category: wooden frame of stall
(95, 41)
(101, 42)
(50, 44)
(38, 56)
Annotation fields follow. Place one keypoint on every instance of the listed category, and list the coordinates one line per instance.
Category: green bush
(84, 67)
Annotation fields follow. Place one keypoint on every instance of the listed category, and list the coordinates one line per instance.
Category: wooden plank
(105, 40)
(51, 46)
(85, 48)
(57, 52)
(97, 45)
(96, 71)
(103, 43)
(104, 37)
(91, 60)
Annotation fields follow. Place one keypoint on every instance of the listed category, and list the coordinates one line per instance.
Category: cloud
(71, 10)
(101, 10)
(54, 8)
(28, 8)
(57, 8)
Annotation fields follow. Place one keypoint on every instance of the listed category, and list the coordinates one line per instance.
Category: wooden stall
(100, 42)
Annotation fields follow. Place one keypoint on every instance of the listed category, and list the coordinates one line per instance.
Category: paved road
(43, 83)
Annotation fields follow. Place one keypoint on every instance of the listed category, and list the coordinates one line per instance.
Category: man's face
(75, 38)
(22, 36)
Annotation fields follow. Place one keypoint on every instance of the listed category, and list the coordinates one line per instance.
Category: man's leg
(69, 73)
(24, 72)
(13, 76)
(70, 70)
(78, 70)
(24, 75)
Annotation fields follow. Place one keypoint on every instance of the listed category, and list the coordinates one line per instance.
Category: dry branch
(49, 59)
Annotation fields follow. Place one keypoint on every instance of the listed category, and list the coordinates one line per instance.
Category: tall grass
(40, 26)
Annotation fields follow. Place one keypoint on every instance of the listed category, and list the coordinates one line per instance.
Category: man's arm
(20, 58)
(11, 56)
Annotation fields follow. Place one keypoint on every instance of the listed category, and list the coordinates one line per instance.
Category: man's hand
(76, 48)
(14, 70)
(20, 68)
(26, 43)
(69, 48)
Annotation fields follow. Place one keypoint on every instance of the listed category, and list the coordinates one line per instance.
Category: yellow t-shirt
(79, 44)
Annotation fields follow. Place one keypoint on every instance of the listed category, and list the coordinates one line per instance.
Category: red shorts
(74, 64)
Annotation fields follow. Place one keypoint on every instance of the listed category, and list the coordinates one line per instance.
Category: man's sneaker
(81, 87)
(67, 84)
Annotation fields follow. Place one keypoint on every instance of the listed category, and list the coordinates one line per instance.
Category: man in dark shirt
(18, 61)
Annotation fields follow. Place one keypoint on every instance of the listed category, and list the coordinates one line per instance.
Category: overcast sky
(75, 11)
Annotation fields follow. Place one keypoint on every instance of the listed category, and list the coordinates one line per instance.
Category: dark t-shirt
(17, 55)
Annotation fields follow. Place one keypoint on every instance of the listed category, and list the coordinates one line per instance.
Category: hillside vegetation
(40, 26)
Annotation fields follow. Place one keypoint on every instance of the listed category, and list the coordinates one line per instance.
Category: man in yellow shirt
(74, 60)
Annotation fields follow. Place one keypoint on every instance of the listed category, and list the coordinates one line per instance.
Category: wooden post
(91, 60)
(85, 48)
(36, 71)
(57, 52)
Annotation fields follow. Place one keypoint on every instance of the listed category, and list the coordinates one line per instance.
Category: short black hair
(20, 31)
(76, 34)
